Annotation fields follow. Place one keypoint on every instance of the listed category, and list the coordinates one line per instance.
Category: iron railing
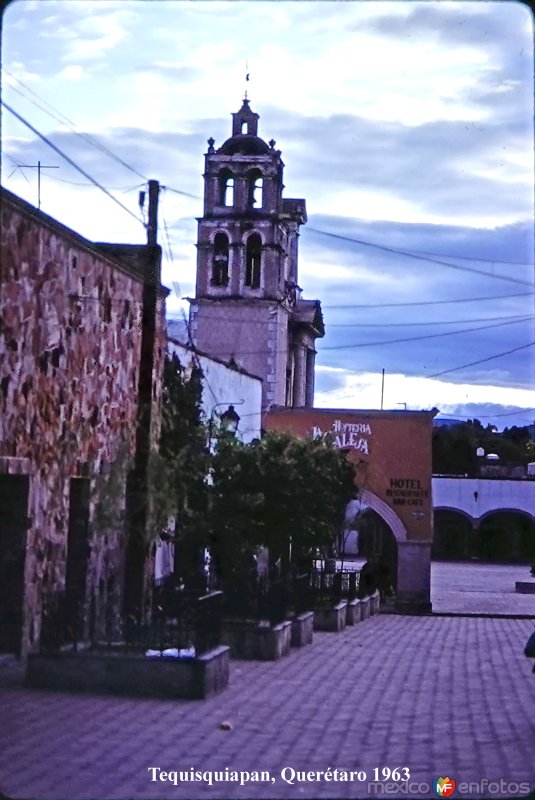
(332, 587)
(253, 596)
(192, 621)
(256, 597)
(196, 623)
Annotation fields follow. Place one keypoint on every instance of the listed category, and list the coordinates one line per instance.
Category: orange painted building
(392, 453)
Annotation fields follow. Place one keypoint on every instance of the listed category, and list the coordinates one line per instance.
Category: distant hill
(446, 422)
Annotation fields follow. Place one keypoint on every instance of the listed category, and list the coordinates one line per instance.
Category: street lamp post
(229, 420)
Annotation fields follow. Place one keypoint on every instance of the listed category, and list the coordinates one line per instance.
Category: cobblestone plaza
(442, 696)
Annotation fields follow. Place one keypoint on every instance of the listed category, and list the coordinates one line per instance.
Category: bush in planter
(281, 492)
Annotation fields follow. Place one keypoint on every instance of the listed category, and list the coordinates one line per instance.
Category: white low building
(223, 385)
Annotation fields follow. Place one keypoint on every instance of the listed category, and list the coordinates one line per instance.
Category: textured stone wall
(70, 347)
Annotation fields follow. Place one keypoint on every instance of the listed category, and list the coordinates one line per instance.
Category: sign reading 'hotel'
(346, 435)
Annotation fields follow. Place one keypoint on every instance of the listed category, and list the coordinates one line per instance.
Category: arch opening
(220, 260)
(226, 188)
(255, 189)
(506, 536)
(454, 538)
(372, 530)
(253, 261)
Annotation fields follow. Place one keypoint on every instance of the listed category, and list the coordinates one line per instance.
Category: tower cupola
(245, 121)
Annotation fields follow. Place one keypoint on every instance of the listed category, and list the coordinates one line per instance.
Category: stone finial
(272, 143)
(211, 142)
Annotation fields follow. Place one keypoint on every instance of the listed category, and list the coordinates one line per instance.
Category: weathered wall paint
(70, 345)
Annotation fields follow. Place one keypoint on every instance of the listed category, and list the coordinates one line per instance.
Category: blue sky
(406, 126)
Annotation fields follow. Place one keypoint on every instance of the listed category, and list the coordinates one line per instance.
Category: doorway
(77, 558)
(13, 532)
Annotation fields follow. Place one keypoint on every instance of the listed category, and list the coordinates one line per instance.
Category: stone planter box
(331, 618)
(250, 639)
(365, 607)
(123, 673)
(525, 587)
(375, 602)
(353, 612)
(302, 629)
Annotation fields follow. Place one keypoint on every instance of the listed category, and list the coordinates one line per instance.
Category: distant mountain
(447, 422)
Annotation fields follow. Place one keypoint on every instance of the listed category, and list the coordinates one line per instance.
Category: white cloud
(400, 112)
(19, 71)
(363, 390)
(88, 37)
(74, 72)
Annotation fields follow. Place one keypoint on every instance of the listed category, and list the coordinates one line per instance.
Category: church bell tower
(247, 305)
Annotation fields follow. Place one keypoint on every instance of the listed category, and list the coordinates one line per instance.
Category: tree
(282, 492)
(179, 469)
(454, 448)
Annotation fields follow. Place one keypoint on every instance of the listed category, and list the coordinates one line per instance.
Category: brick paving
(443, 696)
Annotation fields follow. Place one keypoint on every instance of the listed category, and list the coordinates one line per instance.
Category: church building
(248, 308)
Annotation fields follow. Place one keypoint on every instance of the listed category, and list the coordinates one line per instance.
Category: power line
(70, 124)
(179, 191)
(190, 345)
(470, 258)
(68, 159)
(432, 302)
(491, 416)
(482, 360)
(427, 336)
(235, 319)
(412, 324)
(124, 189)
(53, 112)
(419, 257)
(265, 350)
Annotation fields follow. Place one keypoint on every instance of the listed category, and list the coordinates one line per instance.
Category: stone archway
(367, 500)
(373, 529)
(388, 514)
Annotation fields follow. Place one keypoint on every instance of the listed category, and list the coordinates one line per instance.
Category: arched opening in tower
(226, 188)
(253, 261)
(256, 189)
(220, 261)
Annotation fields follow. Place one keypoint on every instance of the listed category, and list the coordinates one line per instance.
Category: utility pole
(38, 167)
(152, 222)
(382, 388)
(136, 576)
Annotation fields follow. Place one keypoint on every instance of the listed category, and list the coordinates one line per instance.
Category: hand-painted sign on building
(391, 453)
(347, 435)
(407, 491)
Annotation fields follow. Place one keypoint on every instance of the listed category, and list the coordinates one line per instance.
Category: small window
(226, 188)
(244, 127)
(220, 261)
(253, 261)
(256, 189)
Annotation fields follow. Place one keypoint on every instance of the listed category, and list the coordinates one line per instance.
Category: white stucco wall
(478, 496)
(227, 386)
